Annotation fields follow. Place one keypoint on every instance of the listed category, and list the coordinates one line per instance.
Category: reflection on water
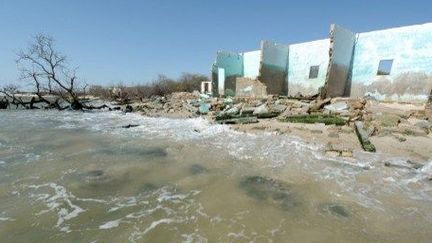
(81, 177)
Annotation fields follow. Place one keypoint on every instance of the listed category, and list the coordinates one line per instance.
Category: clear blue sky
(133, 41)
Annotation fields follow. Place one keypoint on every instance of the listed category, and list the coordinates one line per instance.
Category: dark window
(313, 72)
(385, 67)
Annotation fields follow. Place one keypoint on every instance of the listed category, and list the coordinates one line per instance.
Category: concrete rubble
(368, 120)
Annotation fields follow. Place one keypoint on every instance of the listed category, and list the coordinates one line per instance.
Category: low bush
(161, 86)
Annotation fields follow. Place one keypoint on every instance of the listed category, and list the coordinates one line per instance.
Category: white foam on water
(273, 150)
(193, 238)
(127, 202)
(138, 235)
(266, 149)
(175, 198)
(110, 224)
(426, 171)
(3, 217)
(60, 201)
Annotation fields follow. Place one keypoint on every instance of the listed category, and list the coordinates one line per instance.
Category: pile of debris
(179, 104)
(327, 111)
(364, 116)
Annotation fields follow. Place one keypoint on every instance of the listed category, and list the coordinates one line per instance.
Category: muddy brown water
(82, 177)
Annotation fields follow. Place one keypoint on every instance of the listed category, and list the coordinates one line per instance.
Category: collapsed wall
(392, 64)
(247, 87)
(342, 44)
(273, 70)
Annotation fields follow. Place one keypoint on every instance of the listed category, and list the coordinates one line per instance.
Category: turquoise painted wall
(410, 48)
(301, 57)
(231, 62)
(251, 64)
(232, 65)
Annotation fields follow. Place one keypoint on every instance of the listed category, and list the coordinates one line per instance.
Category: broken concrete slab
(320, 104)
(228, 113)
(337, 107)
(263, 111)
(239, 120)
(342, 42)
(246, 87)
(363, 136)
(315, 118)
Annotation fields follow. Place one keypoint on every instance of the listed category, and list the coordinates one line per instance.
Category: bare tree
(46, 69)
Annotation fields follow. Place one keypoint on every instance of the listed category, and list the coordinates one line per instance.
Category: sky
(131, 41)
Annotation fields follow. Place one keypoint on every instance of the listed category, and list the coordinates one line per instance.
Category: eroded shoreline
(398, 129)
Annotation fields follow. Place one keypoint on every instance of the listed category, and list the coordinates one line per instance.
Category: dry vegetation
(161, 86)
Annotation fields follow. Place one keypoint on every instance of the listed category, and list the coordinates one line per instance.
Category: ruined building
(393, 64)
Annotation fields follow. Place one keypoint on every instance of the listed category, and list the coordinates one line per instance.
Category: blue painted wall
(301, 57)
(410, 48)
